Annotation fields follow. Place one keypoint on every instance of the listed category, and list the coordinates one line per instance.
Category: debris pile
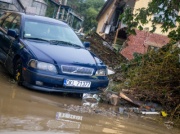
(130, 104)
(152, 77)
(104, 51)
(108, 54)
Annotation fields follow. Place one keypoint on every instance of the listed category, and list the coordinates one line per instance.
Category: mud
(27, 111)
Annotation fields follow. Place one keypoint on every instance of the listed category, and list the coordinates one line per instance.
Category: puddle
(26, 111)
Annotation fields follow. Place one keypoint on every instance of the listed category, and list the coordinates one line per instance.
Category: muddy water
(26, 111)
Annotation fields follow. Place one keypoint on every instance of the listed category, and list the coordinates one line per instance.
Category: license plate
(77, 83)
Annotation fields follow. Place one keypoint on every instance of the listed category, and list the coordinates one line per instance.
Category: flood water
(26, 111)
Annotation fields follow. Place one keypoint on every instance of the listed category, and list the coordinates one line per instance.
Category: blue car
(45, 54)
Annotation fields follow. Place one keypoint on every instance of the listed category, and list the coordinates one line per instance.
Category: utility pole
(63, 11)
(59, 8)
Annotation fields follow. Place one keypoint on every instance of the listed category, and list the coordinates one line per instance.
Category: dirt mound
(104, 51)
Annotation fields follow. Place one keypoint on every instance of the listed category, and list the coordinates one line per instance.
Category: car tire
(18, 72)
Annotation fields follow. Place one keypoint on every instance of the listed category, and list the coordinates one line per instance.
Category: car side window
(7, 23)
(1, 20)
(3, 17)
(15, 25)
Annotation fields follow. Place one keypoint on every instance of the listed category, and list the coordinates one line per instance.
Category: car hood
(61, 54)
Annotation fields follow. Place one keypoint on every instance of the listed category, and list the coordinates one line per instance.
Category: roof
(56, 2)
(104, 8)
(6, 1)
(11, 2)
(40, 1)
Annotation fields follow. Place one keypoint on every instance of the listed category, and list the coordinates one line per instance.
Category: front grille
(76, 70)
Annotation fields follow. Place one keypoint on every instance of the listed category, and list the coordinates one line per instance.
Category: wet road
(26, 111)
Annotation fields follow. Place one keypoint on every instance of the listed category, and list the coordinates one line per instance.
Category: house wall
(35, 6)
(27, 3)
(104, 18)
(31, 6)
(40, 6)
(11, 5)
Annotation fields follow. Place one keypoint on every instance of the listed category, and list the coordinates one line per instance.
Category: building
(109, 22)
(108, 17)
(29, 6)
(37, 7)
(57, 9)
(61, 11)
(11, 5)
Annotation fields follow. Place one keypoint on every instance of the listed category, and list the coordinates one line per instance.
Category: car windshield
(50, 31)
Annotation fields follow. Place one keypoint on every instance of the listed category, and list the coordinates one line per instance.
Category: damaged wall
(140, 42)
(136, 43)
(104, 15)
(108, 17)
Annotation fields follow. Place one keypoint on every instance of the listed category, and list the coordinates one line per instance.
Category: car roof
(39, 18)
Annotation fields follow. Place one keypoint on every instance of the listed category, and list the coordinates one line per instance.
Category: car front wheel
(18, 72)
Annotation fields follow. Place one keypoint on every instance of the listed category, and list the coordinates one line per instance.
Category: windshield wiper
(56, 42)
(34, 38)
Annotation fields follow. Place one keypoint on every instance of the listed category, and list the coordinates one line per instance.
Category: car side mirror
(12, 33)
(87, 45)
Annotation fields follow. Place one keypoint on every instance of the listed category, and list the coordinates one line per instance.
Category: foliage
(81, 5)
(167, 12)
(89, 9)
(51, 9)
(155, 77)
(91, 14)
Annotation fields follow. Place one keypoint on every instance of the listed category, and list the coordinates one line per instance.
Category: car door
(14, 46)
(2, 56)
(5, 40)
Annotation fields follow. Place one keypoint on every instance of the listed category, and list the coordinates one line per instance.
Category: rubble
(114, 99)
(143, 112)
(130, 99)
(128, 104)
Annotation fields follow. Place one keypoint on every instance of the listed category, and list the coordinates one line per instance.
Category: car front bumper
(54, 83)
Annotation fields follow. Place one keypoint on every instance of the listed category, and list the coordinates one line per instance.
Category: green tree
(90, 19)
(96, 4)
(154, 75)
(51, 9)
(89, 9)
(168, 17)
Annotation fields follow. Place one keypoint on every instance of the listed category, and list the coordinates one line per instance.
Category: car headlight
(101, 72)
(42, 66)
